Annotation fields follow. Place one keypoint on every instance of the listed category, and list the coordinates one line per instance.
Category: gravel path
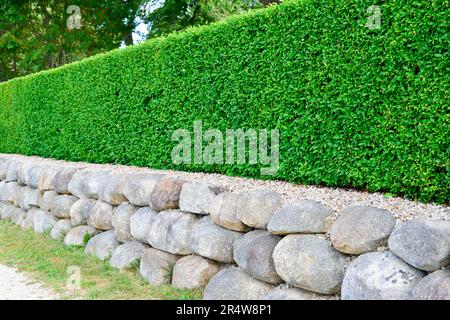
(336, 198)
(18, 286)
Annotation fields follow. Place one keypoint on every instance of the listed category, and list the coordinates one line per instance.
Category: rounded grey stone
(435, 286)
(260, 205)
(29, 198)
(121, 221)
(196, 197)
(170, 231)
(301, 216)
(156, 266)
(60, 229)
(111, 189)
(62, 179)
(43, 221)
(12, 170)
(79, 212)
(139, 187)
(8, 212)
(212, 241)
(48, 200)
(193, 272)
(379, 276)
(18, 216)
(225, 208)
(78, 235)
(310, 263)
(361, 229)
(126, 254)
(28, 222)
(253, 254)
(101, 215)
(61, 206)
(234, 284)
(424, 244)
(102, 245)
(140, 223)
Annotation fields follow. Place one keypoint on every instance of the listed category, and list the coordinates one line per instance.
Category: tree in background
(176, 15)
(34, 34)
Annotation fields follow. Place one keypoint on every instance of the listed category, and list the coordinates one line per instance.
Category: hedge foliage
(356, 107)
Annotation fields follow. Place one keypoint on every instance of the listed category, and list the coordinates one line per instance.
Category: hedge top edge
(357, 92)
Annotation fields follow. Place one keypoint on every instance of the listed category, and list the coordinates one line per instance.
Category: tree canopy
(35, 34)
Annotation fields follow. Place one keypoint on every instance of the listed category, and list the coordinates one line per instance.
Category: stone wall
(236, 245)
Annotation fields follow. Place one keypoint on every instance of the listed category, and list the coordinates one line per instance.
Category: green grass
(47, 260)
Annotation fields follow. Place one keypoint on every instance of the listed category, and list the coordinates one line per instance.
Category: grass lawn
(47, 261)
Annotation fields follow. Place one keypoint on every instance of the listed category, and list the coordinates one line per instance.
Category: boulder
(60, 229)
(435, 286)
(225, 208)
(139, 187)
(18, 216)
(8, 192)
(111, 191)
(101, 215)
(310, 263)
(361, 229)
(43, 221)
(8, 212)
(127, 254)
(301, 216)
(61, 206)
(29, 198)
(234, 284)
(121, 221)
(140, 223)
(87, 184)
(102, 245)
(379, 276)
(3, 168)
(12, 167)
(33, 175)
(46, 177)
(196, 197)
(260, 206)
(28, 222)
(424, 244)
(156, 266)
(22, 172)
(48, 200)
(212, 241)
(170, 231)
(192, 272)
(166, 194)
(79, 236)
(94, 182)
(77, 184)
(62, 179)
(79, 212)
(253, 254)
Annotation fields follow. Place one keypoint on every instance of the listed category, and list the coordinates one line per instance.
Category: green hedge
(356, 107)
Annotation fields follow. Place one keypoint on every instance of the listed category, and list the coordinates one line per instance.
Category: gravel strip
(336, 198)
(17, 286)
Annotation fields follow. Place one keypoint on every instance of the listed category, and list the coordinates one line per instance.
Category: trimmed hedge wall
(356, 107)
